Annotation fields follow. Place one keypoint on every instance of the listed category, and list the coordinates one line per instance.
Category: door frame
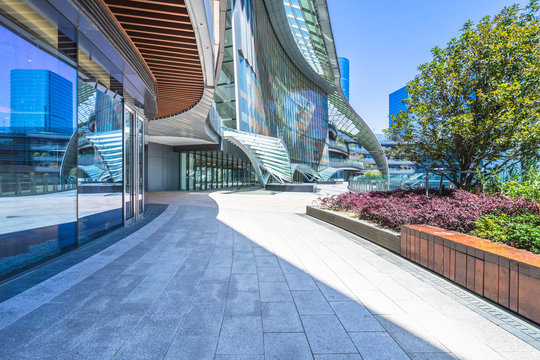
(134, 172)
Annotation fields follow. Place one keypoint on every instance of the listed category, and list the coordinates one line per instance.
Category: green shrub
(373, 174)
(515, 184)
(527, 190)
(520, 231)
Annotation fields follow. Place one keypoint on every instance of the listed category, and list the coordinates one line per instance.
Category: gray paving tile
(243, 266)
(311, 303)
(300, 282)
(280, 317)
(271, 273)
(194, 347)
(338, 357)
(356, 281)
(275, 291)
(202, 319)
(288, 268)
(212, 291)
(243, 303)
(446, 356)
(178, 273)
(377, 346)
(150, 340)
(23, 331)
(409, 334)
(333, 294)
(326, 335)
(355, 317)
(268, 260)
(244, 282)
(217, 273)
(260, 251)
(286, 346)
(241, 335)
(239, 357)
(378, 303)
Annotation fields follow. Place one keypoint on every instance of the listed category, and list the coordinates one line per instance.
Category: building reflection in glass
(100, 161)
(37, 170)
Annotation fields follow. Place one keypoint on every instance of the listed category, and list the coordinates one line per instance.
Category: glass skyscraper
(41, 100)
(344, 68)
(395, 103)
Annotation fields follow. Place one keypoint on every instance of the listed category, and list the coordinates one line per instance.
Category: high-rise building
(395, 103)
(344, 68)
(40, 100)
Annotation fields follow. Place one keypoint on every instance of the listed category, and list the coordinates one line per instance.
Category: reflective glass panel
(100, 161)
(38, 148)
(129, 163)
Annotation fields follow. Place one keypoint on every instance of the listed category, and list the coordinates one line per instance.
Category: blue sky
(386, 40)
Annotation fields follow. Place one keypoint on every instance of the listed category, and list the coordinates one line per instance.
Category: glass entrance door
(133, 164)
(129, 165)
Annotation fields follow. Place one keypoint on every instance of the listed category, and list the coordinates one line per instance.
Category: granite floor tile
(286, 346)
(280, 317)
(270, 273)
(241, 335)
(243, 276)
(300, 282)
(243, 303)
(311, 303)
(377, 345)
(355, 317)
(192, 347)
(326, 335)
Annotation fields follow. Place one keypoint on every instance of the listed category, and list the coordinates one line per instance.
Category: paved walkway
(247, 276)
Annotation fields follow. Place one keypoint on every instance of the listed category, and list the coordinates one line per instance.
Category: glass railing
(394, 182)
(333, 144)
(357, 163)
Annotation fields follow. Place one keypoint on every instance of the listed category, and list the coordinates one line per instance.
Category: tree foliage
(477, 102)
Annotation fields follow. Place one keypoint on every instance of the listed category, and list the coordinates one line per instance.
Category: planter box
(503, 274)
(385, 238)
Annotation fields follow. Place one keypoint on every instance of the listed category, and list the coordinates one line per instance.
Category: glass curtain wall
(274, 97)
(38, 162)
(100, 162)
(61, 136)
(205, 170)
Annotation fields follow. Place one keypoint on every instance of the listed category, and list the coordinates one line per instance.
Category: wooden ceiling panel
(162, 33)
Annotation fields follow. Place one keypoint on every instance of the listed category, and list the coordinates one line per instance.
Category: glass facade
(62, 136)
(344, 70)
(225, 97)
(273, 97)
(206, 170)
(100, 161)
(395, 103)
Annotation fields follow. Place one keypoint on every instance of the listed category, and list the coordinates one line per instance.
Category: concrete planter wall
(385, 238)
(503, 274)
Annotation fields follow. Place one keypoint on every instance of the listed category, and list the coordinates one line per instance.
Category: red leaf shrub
(455, 210)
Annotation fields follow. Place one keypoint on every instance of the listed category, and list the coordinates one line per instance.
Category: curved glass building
(285, 81)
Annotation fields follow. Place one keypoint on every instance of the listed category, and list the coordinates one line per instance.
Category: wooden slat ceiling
(162, 33)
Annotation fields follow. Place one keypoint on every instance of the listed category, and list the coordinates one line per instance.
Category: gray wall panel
(163, 169)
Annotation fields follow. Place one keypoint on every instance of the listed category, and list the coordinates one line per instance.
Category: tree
(477, 102)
